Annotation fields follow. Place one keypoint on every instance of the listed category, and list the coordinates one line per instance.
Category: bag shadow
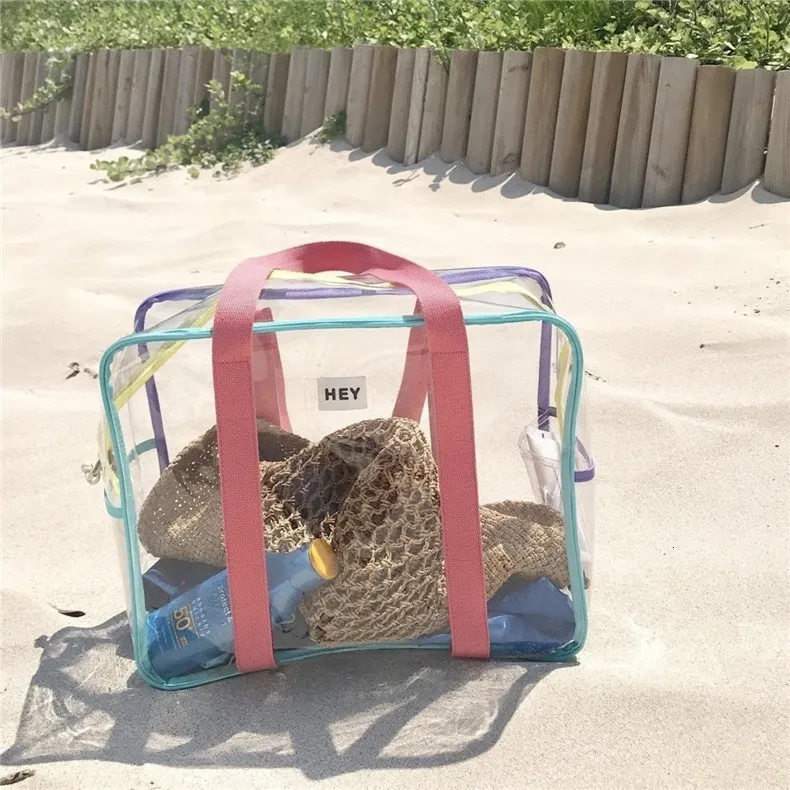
(328, 716)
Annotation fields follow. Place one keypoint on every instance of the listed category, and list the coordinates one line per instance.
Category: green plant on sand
(220, 138)
(334, 127)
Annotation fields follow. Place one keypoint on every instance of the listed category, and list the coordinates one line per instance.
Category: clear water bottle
(195, 630)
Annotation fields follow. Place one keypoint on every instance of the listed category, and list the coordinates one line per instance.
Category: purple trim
(154, 407)
(581, 475)
(451, 276)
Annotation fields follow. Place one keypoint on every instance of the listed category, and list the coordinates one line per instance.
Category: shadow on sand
(327, 716)
(510, 185)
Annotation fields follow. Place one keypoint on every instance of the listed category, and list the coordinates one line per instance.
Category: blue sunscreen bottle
(195, 630)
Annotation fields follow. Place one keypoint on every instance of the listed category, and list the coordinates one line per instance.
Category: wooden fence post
(314, 100)
(28, 86)
(599, 143)
(572, 114)
(458, 107)
(276, 87)
(541, 119)
(358, 94)
(140, 70)
(48, 124)
(422, 61)
(123, 96)
(633, 130)
(777, 163)
(666, 158)
(484, 112)
(14, 75)
(511, 112)
(185, 90)
(433, 109)
(710, 120)
(167, 105)
(382, 85)
(401, 99)
(337, 83)
(294, 94)
(153, 98)
(81, 66)
(748, 133)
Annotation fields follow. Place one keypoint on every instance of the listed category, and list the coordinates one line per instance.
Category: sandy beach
(684, 314)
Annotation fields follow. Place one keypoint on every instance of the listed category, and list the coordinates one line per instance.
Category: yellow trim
(156, 362)
(563, 368)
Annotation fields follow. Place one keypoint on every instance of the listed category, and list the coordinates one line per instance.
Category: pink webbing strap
(453, 441)
(267, 376)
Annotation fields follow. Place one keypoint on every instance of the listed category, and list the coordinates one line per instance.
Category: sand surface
(685, 318)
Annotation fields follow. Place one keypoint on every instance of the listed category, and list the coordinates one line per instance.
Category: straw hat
(371, 491)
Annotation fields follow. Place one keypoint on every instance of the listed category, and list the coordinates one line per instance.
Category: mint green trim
(144, 447)
(129, 515)
(113, 510)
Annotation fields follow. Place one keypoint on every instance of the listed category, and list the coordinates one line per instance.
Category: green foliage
(222, 139)
(735, 32)
(334, 127)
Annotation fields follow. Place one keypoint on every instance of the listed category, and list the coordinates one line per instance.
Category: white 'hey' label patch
(342, 394)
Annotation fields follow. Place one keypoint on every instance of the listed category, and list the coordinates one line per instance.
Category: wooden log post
(484, 112)
(382, 85)
(221, 72)
(5, 89)
(358, 94)
(422, 62)
(140, 70)
(48, 123)
(185, 91)
(153, 98)
(28, 87)
(240, 62)
(572, 114)
(167, 105)
(63, 108)
(433, 109)
(748, 133)
(337, 83)
(606, 98)
(38, 116)
(511, 112)
(14, 75)
(205, 73)
(87, 109)
(276, 87)
(633, 130)
(316, 81)
(458, 107)
(710, 120)
(78, 93)
(666, 157)
(294, 94)
(123, 96)
(777, 162)
(103, 99)
(401, 99)
(259, 74)
(541, 118)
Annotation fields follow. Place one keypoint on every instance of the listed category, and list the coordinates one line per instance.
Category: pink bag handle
(452, 434)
